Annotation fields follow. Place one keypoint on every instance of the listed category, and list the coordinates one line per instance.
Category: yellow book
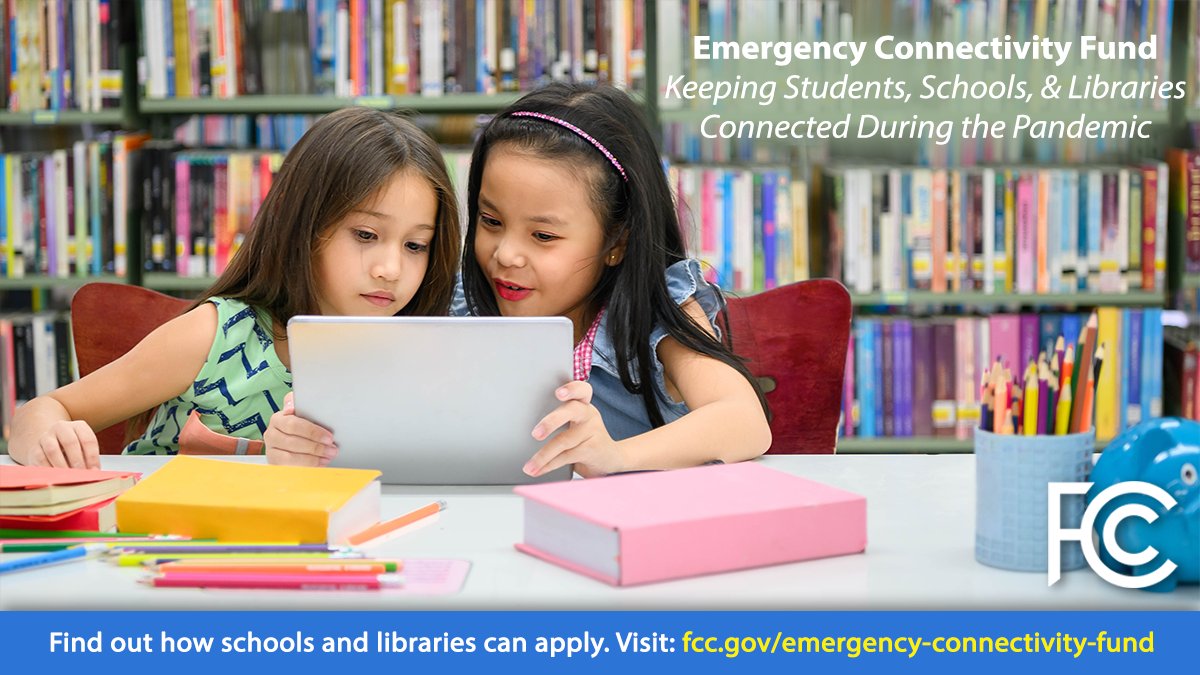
(233, 501)
(1108, 387)
(183, 54)
(1010, 219)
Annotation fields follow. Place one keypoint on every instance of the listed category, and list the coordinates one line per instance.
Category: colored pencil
(119, 549)
(72, 541)
(1082, 370)
(12, 533)
(1062, 419)
(1044, 403)
(1029, 407)
(136, 559)
(346, 582)
(1064, 378)
(380, 529)
(1089, 393)
(51, 558)
(1059, 354)
(1097, 361)
(360, 567)
(1002, 403)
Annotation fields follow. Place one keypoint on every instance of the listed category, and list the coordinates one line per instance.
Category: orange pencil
(1064, 377)
(1001, 401)
(380, 529)
(1089, 395)
(1083, 359)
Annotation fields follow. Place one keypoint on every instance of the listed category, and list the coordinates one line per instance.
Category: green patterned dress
(240, 386)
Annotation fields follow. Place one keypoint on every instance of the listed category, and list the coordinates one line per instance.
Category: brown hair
(346, 158)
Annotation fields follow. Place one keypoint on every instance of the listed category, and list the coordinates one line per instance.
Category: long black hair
(638, 214)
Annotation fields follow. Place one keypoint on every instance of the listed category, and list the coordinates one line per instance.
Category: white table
(920, 555)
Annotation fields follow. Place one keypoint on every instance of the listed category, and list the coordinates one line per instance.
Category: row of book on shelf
(59, 210)
(886, 229)
(747, 226)
(1023, 229)
(36, 357)
(922, 377)
(243, 132)
(190, 209)
(61, 54)
(386, 47)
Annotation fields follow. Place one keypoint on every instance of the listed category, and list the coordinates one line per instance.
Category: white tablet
(432, 400)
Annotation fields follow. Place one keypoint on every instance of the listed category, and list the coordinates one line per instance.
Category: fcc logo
(1058, 534)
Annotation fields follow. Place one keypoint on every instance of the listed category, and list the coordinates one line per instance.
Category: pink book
(183, 217)
(939, 235)
(659, 525)
(1026, 234)
(708, 226)
(1004, 340)
(966, 381)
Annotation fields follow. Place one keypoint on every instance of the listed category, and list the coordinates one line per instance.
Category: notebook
(645, 527)
(237, 501)
(432, 400)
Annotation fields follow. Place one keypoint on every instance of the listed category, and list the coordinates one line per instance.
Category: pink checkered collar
(583, 350)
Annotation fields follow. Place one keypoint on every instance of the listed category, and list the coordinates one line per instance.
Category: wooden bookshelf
(300, 104)
(39, 282)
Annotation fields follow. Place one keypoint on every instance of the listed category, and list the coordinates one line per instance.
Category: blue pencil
(73, 553)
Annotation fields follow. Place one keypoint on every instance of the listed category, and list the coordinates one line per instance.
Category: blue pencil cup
(1011, 478)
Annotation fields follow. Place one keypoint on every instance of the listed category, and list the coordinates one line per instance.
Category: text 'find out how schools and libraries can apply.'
(591, 645)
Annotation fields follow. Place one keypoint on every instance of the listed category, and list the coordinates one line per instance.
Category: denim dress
(623, 412)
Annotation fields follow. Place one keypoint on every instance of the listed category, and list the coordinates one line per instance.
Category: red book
(1149, 223)
(100, 517)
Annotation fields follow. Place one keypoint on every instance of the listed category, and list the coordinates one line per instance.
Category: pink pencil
(298, 582)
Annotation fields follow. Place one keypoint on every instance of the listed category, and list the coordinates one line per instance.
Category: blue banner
(690, 642)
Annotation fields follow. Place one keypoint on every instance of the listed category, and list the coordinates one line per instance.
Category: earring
(612, 258)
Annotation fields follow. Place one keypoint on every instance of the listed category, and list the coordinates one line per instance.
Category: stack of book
(45, 498)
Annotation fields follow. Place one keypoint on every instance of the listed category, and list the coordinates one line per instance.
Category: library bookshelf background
(175, 115)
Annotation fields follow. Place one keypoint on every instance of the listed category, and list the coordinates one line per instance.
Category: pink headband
(578, 132)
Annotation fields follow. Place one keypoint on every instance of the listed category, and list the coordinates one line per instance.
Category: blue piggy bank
(1164, 452)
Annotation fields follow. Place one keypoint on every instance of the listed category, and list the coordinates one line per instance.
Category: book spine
(944, 363)
(923, 365)
(887, 351)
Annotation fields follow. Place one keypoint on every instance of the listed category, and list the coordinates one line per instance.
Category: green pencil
(8, 533)
(35, 548)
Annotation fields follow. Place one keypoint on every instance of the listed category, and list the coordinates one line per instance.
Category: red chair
(107, 320)
(794, 341)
